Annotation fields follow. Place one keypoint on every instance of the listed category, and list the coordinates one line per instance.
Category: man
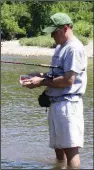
(65, 117)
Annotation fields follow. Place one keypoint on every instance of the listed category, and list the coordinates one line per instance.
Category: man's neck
(69, 35)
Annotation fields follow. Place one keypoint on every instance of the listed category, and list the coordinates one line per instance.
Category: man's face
(59, 35)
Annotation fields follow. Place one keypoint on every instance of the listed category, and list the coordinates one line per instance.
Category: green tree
(40, 13)
(11, 15)
(24, 18)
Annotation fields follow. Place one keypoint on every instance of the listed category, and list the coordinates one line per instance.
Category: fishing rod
(42, 65)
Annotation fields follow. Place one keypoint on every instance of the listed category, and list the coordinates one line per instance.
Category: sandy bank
(14, 48)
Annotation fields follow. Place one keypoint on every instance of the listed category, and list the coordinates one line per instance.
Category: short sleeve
(74, 61)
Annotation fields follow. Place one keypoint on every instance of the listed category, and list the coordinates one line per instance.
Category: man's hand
(32, 82)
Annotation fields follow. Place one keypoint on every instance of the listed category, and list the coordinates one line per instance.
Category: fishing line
(41, 65)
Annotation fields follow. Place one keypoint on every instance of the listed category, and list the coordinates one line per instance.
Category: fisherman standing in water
(65, 117)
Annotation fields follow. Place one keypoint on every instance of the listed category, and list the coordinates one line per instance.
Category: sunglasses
(54, 32)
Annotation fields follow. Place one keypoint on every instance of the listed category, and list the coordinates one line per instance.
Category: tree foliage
(40, 13)
(27, 19)
(11, 19)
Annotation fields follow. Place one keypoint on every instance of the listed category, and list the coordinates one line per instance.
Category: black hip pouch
(43, 100)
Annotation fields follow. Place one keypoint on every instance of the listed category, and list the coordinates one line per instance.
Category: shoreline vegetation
(14, 48)
(22, 25)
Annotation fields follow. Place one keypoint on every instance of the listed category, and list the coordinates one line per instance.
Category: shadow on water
(24, 127)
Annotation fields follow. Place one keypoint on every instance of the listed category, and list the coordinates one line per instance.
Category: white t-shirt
(70, 57)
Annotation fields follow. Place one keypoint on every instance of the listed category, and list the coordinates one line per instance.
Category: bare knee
(73, 160)
(60, 154)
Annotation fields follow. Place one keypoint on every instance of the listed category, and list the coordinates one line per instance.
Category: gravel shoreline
(14, 48)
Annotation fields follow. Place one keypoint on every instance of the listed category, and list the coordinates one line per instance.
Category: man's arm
(62, 81)
(58, 82)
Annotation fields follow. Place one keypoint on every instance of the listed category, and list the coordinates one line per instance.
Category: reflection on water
(24, 127)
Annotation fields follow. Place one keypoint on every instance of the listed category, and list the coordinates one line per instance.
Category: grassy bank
(41, 41)
(82, 30)
(46, 41)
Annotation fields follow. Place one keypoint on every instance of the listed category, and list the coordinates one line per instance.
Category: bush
(83, 28)
(11, 28)
(20, 19)
(83, 39)
(10, 18)
(41, 41)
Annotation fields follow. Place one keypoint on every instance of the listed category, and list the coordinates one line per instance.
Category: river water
(24, 127)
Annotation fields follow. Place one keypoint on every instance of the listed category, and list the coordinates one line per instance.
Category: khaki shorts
(66, 124)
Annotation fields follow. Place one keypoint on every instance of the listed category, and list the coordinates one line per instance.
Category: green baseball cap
(57, 20)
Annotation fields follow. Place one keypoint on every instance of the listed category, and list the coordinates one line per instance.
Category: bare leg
(73, 160)
(61, 157)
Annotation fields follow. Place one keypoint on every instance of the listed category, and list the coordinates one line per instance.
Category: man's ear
(65, 28)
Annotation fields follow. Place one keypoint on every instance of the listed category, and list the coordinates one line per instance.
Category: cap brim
(50, 29)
